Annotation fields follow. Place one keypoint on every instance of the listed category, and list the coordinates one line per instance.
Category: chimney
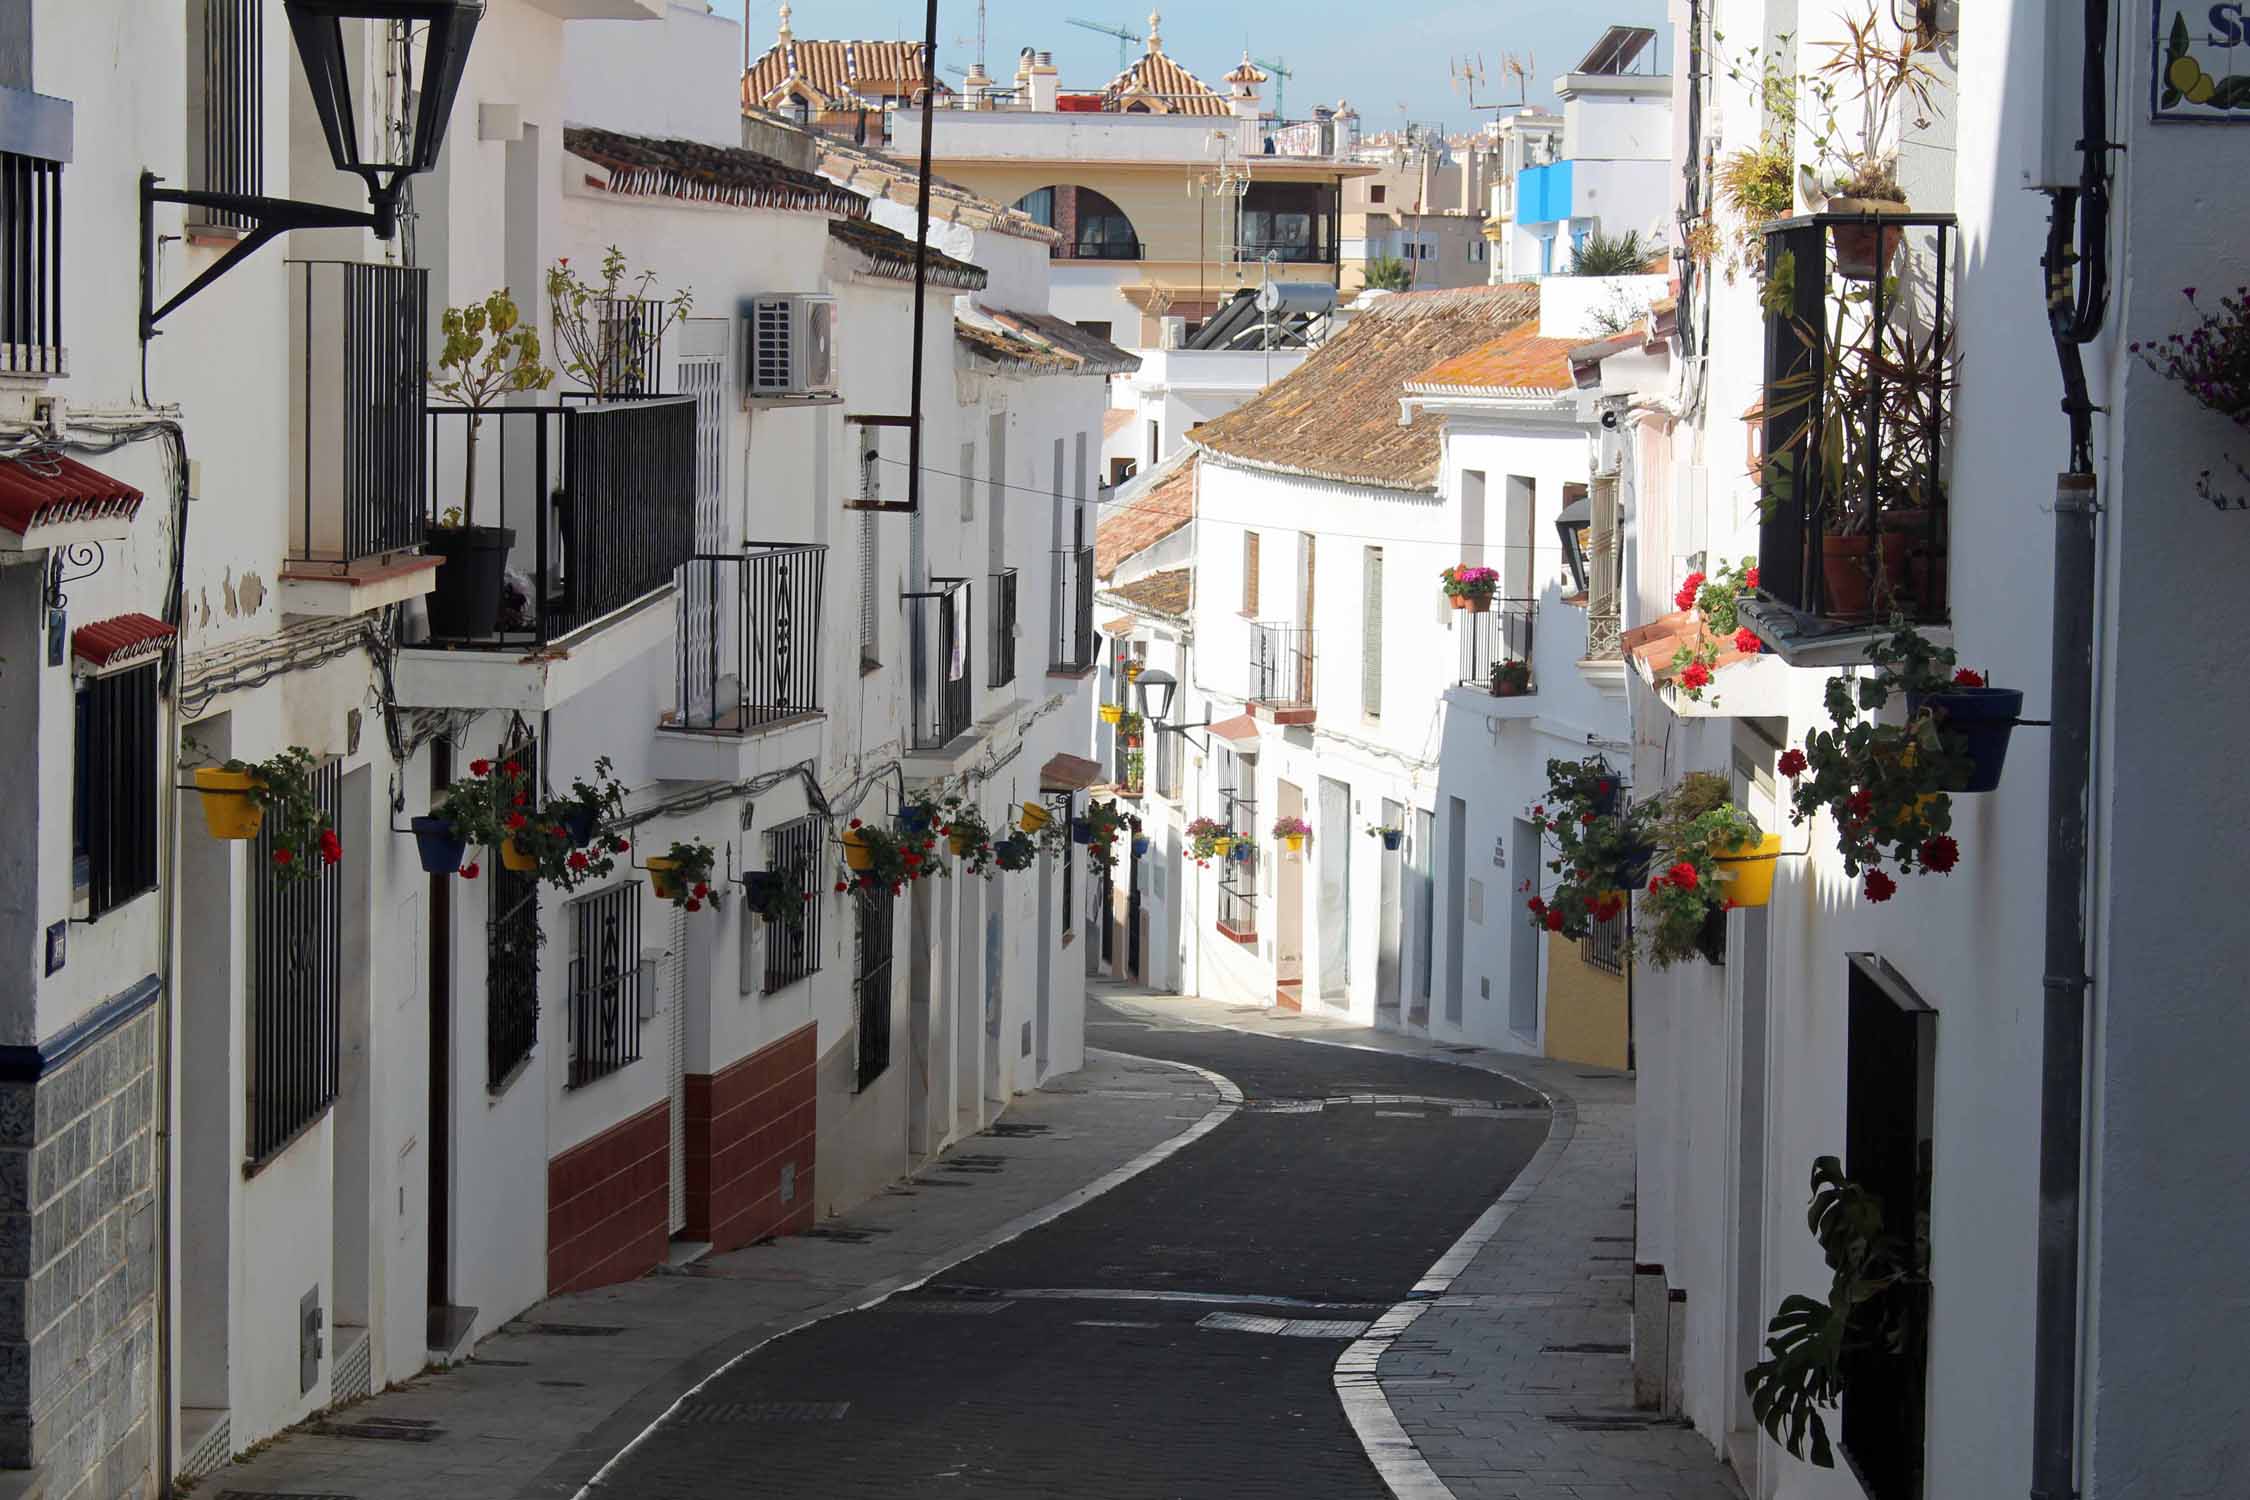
(1246, 89)
(1045, 82)
(976, 89)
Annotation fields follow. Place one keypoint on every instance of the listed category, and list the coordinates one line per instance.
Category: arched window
(1093, 227)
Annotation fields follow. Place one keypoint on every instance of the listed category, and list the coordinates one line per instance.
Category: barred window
(793, 953)
(605, 982)
(296, 988)
(512, 940)
(1604, 947)
(871, 987)
(226, 103)
(113, 802)
(1062, 804)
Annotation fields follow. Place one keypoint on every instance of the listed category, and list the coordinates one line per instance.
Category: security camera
(1609, 420)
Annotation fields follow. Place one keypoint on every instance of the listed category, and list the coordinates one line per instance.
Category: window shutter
(1371, 637)
(1250, 572)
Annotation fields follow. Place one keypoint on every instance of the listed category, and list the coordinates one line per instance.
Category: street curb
(875, 1293)
(1393, 1453)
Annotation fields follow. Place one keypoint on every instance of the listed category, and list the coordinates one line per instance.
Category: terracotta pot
(1478, 604)
(1458, 601)
(1862, 250)
(1847, 571)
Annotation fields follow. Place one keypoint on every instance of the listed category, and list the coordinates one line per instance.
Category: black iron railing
(1604, 947)
(600, 497)
(1501, 637)
(113, 814)
(31, 261)
(605, 983)
(749, 637)
(1281, 665)
(793, 953)
(228, 51)
(296, 987)
(1858, 396)
(628, 333)
(871, 984)
(1073, 628)
(941, 642)
(1288, 252)
(356, 479)
(1097, 249)
(1238, 897)
(512, 942)
(1003, 627)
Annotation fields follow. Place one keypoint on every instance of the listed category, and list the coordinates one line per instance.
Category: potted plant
(1511, 679)
(1033, 817)
(1129, 727)
(1014, 853)
(1587, 785)
(2210, 360)
(1104, 822)
(1140, 846)
(488, 353)
(1135, 766)
(612, 355)
(778, 895)
(1134, 668)
(1965, 707)
(1390, 833)
(1858, 171)
(1112, 712)
(1292, 832)
(559, 859)
(590, 804)
(1470, 587)
(1603, 845)
(917, 816)
(876, 856)
(1696, 822)
(239, 796)
(682, 874)
(1886, 786)
(1716, 597)
(1203, 836)
(967, 835)
(1243, 849)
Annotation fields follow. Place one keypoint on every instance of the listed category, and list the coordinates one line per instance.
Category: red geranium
(1749, 578)
(701, 890)
(1940, 853)
(1655, 884)
(1880, 887)
(841, 887)
(1554, 921)
(471, 870)
(1746, 641)
(1537, 907)
(480, 768)
(1862, 803)
(855, 822)
(1964, 677)
(1683, 875)
(1585, 817)
(283, 856)
(578, 859)
(619, 846)
(512, 769)
(515, 821)
(693, 904)
(1685, 598)
(519, 799)
(1793, 763)
(1695, 676)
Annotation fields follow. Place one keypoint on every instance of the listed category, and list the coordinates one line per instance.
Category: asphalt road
(1081, 1359)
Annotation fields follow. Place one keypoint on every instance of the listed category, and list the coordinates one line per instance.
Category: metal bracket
(85, 557)
(275, 217)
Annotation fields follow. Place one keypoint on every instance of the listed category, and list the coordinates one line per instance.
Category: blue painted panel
(1543, 194)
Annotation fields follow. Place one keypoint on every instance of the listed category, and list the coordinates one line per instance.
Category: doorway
(1390, 920)
(1335, 892)
(1524, 942)
(1456, 901)
(1289, 908)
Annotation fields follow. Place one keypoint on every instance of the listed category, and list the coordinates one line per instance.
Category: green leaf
(2176, 47)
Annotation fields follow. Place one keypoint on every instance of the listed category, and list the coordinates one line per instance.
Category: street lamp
(1156, 688)
(446, 28)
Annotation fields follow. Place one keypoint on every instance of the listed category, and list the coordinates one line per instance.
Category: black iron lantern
(443, 30)
(1156, 686)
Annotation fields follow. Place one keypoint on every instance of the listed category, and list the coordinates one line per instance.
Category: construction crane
(1125, 39)
(1279, 68)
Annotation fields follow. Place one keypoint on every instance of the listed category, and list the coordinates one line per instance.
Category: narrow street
(1174, 1337)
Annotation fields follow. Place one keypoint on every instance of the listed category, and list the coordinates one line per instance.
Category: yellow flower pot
(960, 843)
(1295, 841)
(1133, 671)
(1033, 819)
(856, 852)
(1748, 874)
(1222, 845)
(517, 858)
(1112, 712)
(229, 811)
(660, 876)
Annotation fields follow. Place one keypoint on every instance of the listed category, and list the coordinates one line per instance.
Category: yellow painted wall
(1585, 1009)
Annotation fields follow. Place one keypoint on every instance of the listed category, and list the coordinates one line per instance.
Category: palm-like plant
(1387, 273)
(1610, 255)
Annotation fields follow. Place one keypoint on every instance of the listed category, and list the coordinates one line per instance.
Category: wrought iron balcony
(1496, 647)
(1003, 627)
(359, 443)
(940, 641)
(31, 257)
(1073, 617)
(596, 500)
(1281, 666)
(1858, 397)
(749, 638)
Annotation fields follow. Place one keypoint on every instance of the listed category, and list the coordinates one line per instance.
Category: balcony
(1860, 371)
(1115, 247)
(1281, 672)
(358, 438)
(1003, 628)
(941, 666)
(747, 657)
(1073, 647)
(1496, 648)
(36, 137)
(592, 510)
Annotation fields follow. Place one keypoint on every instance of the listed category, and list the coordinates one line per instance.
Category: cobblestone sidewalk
(541, 1405)
(1516, 1382)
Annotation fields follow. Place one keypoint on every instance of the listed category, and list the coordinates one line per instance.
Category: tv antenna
(1520, 67)
(962, 40)
(1125, 39)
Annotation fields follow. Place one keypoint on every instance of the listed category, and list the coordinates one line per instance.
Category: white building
(400, 1106)
(1615, 173)
(1521, 140)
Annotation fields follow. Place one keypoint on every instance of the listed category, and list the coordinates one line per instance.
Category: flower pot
(1847, 571)
(442, 853)
(1243, 852)
(1477, 604)
(1983, 718)
(1393, 837)
(1864, 250)
(229, 811)
(1458, 601)
(1112, 712)
(1140, 846)
(517, 858)
(856, 853)
(1081, 831)
(914, 821)
(1634, 867)
(765, 888)
(1133, 670)
(961, 844)
(661, 876)
(1131, 741)
(1222, 846)
(1747, 874)
(1295, 841)
(465, 602)
(1033, 818)
(1602, 804)
(579, 824)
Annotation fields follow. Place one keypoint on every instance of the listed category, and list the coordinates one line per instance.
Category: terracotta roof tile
(1069, 773)
(1518, 360)
(1336, 415)
(1134, 525)
(1007, 348)
(871, 173)
(1651, 647)
(1164, 593)
(1115, 420)
(1095, 354)
(651, 167)
(49, 489)
(844, 74)
(121, 640)
(1178, 90)
(1241, 728)
(1122, 625)
(891, 254)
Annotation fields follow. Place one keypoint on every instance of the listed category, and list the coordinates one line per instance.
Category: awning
(50, 499)
(120, 642)
(1242, 729)
(1122, 625)
(1069, 773)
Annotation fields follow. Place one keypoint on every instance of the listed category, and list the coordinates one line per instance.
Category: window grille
(1250, 573)
(1603, 947)
(1371, 645)
(871, 989)
(296, 946)
(226, 92)
(512, 940)
(114, 801)
(1063, 805)
(605, 983)
(794, 953)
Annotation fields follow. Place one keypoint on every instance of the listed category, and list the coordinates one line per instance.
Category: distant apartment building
(1615, 169)
(1422, 206)
(1521, 142)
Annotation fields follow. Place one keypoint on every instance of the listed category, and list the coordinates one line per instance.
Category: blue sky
(1337, 49)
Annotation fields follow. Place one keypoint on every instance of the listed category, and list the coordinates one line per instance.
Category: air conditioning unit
(789, 347)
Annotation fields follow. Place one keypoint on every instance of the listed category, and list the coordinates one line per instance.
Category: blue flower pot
(1982, 719)
(1634, 870)
(579, 824)
(1140, 846)
(914, 820)
(761, 886)
(1393, 837)
(1242, 854)
(1081, 831)
(442, 853)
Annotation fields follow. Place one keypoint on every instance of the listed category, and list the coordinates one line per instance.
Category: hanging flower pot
(857, 853)
(579, 823)
(915, 818)
(1222, 845)
(1983, 718)
(1014, 853)
(1295, 841)
(1140, 846)
(1243, 851)
(1458, 601)
(441, 848)
(661, 875)
(1033, 818)
(1081, 831)
(1112, 712)
(229, 809)
(1747, 873)
(1133, 671)
(517, 858)
(961, 842)
(1391, 837)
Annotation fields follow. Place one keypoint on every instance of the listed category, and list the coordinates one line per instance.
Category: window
(512, 942)
(1889, 1131)
(1155, 443)
(1604, 947)
(1250, 573)
(1095, 326)
(1476, 248)
(1377, 193)
(1371, 635)
(871, 988)
(1292, 221)
(870, 623)
(795, 952)
(1062, 804)
(226, 103)
(605, 983)
(113, 800)
(296, 979)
